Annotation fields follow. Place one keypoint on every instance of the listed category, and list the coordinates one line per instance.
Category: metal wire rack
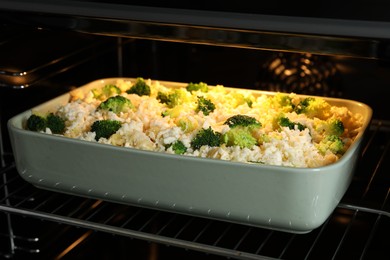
(355, 230)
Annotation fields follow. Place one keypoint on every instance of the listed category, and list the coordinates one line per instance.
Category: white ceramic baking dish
(290, 199)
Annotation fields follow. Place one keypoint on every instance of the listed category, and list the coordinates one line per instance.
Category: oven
(48, 48)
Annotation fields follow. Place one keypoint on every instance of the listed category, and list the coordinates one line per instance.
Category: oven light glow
(302, 73)
(288, 72)
(96, 204)
(279, 69)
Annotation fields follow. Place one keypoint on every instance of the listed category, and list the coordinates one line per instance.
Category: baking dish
(289, 199)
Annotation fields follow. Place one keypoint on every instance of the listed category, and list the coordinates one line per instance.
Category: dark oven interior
(42, 59)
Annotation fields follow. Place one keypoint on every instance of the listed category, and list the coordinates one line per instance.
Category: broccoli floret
(302, 107)
(106, 92)
(165, 113)
(116, 104)
(197, 86)
(205, 105)
(186, 124)
(206, 136)
(105, 128)
(36, 123)
(330, 127)
(243, 121)
(286, 122)
(140, 88)
(332, 143)
(335, 127)
(171, 99)
(55, 123)
(239, 136)
(178, 147)
(283, 101)
(249, 102)
(312, 107)
(241, 131)
(39, 123)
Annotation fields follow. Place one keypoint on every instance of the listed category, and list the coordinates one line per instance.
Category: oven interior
(39, 63)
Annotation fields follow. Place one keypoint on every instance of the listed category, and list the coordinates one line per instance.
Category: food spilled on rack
(199, 120)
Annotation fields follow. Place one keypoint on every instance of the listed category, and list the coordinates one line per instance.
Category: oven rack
(354, 230)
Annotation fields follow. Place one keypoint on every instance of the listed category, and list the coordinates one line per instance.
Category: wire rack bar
(357, 208)
(132, 233)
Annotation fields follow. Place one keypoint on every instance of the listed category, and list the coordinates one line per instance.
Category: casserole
(289, 199)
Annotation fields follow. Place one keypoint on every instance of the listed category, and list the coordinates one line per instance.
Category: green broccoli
(239, 136)
(140, 88)
(243, 121)
(178, 147)
(283, 101)
(197, 86)
(312, 107)
(116, 104)
(40, 122)
(36, 123)
(205, 105)
(249, 102)
(332, 143)
(105, 128)
(55, 123)
(106, 91)
(206, 136)
(286, 122)
(331, 126)
(165, 113)
(170, 99)
(186, 124)
(302, 107)
(334, 127)
(241, 131)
